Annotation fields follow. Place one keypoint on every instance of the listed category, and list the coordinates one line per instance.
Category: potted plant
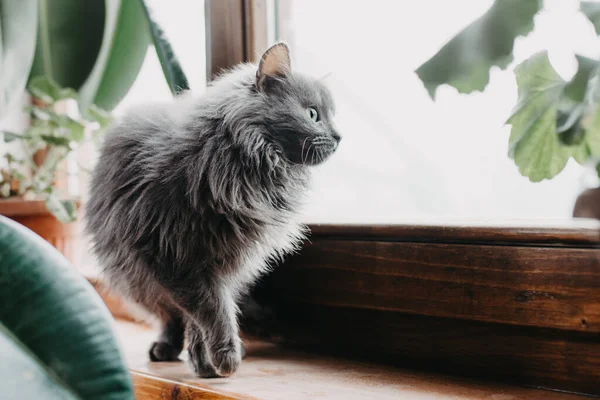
(59, 67)
(30, 181)
(554, 120)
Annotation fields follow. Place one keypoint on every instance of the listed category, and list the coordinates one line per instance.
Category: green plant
(554, 120)
(43, 46)
(95, 47)
(56, 335)
(55, 133)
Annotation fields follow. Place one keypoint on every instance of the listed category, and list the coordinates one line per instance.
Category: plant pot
(34, 215)
(587, 204)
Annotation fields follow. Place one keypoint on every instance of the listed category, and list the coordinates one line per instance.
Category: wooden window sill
(272, 372)
(517, 303)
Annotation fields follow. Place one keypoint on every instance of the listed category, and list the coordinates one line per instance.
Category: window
(403, 156)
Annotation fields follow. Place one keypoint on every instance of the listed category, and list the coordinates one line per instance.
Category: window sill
(514, 303)
(272, 372)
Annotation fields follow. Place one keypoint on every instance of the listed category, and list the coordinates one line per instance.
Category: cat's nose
(337, 137)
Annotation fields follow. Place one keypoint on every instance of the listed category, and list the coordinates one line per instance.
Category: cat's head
(300, 109)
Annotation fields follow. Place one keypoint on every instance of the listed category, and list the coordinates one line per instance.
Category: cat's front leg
(217, 317)
(211, 306)
(198, 352)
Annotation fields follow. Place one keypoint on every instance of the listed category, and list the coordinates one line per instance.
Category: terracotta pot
(34, 215)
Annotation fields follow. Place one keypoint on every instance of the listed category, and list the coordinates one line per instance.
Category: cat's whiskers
(320, 154)
(321, 144)
(302, 151)
(311, 146)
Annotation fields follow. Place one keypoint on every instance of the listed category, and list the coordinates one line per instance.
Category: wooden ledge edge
(148, 386)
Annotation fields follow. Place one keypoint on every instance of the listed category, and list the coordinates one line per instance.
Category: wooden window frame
(236, 32)
(519, 303)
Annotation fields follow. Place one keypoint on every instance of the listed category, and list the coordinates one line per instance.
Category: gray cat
(191, 201)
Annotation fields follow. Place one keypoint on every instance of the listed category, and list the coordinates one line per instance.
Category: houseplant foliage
(554, 120)
(56, 335)
(95, 47)
(18, 24)
(87, 51)
(57, 134)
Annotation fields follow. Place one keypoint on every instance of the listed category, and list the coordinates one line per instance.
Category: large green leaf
(591, 9)
(69, 38)
(37, 383)
(124, 46)
(56, 334)
(586, 69)
(465, 61)
(552, 120)
(172, 70)
(18, 24)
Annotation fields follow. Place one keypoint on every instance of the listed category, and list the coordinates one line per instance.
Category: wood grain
(149, 386)
(569, 233)
(256, 29)
(18, 208)
(517, 303)
(517, 355)
(534, 286)
(271, 372)
(225, 35)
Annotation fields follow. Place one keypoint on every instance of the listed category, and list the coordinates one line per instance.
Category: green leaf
(16, 359)
(568, 125)
(124, 46)
(554, 119)
(44, 89)
(67, 93)
(99, 115)
(591, 10)
(18, 26)
(534, 144)
(5, 190)
(64, 210)
(586, 68)
(465, 61)
(56, 334)
(57, 141)
(10, 136)
(73, 130)
(48, 90)
(172, 70)
(592, 132)
(69, 38)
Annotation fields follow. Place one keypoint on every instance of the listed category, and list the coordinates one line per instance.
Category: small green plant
(54, 133)
(554, 120)
(55, 62)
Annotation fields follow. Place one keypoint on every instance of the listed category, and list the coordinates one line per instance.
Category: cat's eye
(313, 114)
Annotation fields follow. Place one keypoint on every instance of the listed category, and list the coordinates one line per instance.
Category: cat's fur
(191, 200)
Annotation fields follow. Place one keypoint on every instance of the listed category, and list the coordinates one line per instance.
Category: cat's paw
(199, 361)
(227, 358)
(162, 351)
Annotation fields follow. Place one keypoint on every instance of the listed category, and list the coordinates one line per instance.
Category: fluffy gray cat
(191, 201)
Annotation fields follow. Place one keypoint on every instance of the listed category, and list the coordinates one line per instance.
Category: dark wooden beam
(517, 303)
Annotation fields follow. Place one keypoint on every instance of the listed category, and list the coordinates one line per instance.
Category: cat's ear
(275, 62)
